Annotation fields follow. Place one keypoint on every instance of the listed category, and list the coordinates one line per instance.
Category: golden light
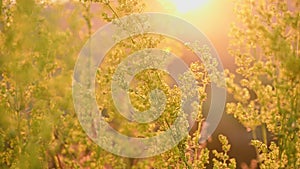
(184, 6)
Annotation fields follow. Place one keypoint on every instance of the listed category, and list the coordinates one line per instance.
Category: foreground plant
(39, 128)
(265, 45)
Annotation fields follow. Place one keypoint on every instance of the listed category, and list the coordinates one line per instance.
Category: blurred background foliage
(40, 41)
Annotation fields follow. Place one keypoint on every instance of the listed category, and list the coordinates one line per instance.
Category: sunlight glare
(184, 6)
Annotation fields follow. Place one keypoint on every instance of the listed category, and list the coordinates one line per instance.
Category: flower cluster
(266, 90)
(223, 162)
(270, 157)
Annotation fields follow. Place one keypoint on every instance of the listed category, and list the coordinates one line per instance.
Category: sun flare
(184, 6)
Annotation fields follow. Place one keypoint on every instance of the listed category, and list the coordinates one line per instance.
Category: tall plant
(37, 59)
(265, 44)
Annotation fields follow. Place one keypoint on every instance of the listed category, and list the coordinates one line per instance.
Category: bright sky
(212, 17)
(185, 6)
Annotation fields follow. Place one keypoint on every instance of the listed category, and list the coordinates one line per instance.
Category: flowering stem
(118, 17)
(181, 153)
(254, 136)
(264, 133)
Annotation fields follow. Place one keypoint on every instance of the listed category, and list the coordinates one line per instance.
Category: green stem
(254, 136)
(118, 17)
(181, 153)
(264, 134)
(1, 3)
